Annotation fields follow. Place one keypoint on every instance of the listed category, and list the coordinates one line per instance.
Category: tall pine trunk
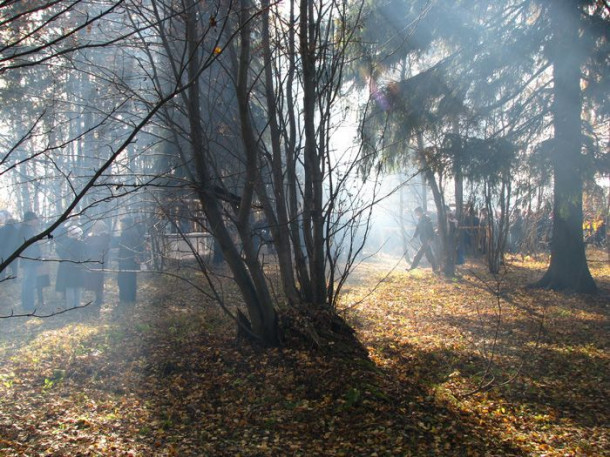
(568, 269)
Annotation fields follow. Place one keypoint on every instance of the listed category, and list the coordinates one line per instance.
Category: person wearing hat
(30, 263)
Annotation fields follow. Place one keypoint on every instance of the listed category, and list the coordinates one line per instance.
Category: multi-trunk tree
(277, 80)
(232, 103)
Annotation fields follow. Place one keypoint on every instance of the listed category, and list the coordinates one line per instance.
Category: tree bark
(280, 228)
(292, 185)
(568, 269)
(312, 211)
(446, 258)
(260, 308)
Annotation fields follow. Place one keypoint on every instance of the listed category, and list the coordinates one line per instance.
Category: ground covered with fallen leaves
(472, 366)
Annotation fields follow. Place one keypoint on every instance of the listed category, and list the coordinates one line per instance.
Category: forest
(304, 227)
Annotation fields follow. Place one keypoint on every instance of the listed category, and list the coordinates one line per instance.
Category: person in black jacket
(131, 245)
(12, 243)
(71, 269)
(425, 231)
(9, 234)
(97, 247)
(75, 253)
(30, 262)
(515, 232)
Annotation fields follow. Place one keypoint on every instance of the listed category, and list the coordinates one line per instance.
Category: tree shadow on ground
(553, 387)
(299, 402)
(550, 349)
(171, 379)
(568, 372)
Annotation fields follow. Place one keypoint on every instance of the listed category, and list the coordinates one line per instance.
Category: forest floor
(473, 366)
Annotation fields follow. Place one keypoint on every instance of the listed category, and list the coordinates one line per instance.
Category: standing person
(472, 229)
(484, 231)
(9, 242)
(70, 272)
(13, 243)
(61, 248)
(96, 248)
(455, 236)
(600, 233)
(74, 266)
(5, 235)
(30, 262)
(131, 242)
(516, 232)
(425, 231)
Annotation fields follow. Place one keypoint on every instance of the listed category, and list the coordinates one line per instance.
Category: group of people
(12, 235)
(595, 231)
(528, 233)
(81, 258)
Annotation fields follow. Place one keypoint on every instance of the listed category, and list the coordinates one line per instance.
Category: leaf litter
(475, 366)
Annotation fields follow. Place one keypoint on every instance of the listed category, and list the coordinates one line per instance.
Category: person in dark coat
(75, 267)
(600, 234)
(13, 243)
(97, 247)
(71, 270)
(471, 232)
(30, 263)
(8, 244)
(131, 244)
(61, 249)
(425, 231)
(516, 231)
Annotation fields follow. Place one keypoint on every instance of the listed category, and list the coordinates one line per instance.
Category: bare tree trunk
(295, 211)
(498, 224)
(447, 254)
(313, 196)
(254, 292)
(279, 225)
(424, 193)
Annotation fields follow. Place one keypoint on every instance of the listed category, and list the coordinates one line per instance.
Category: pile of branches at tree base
(315, 327)
(309, 327)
